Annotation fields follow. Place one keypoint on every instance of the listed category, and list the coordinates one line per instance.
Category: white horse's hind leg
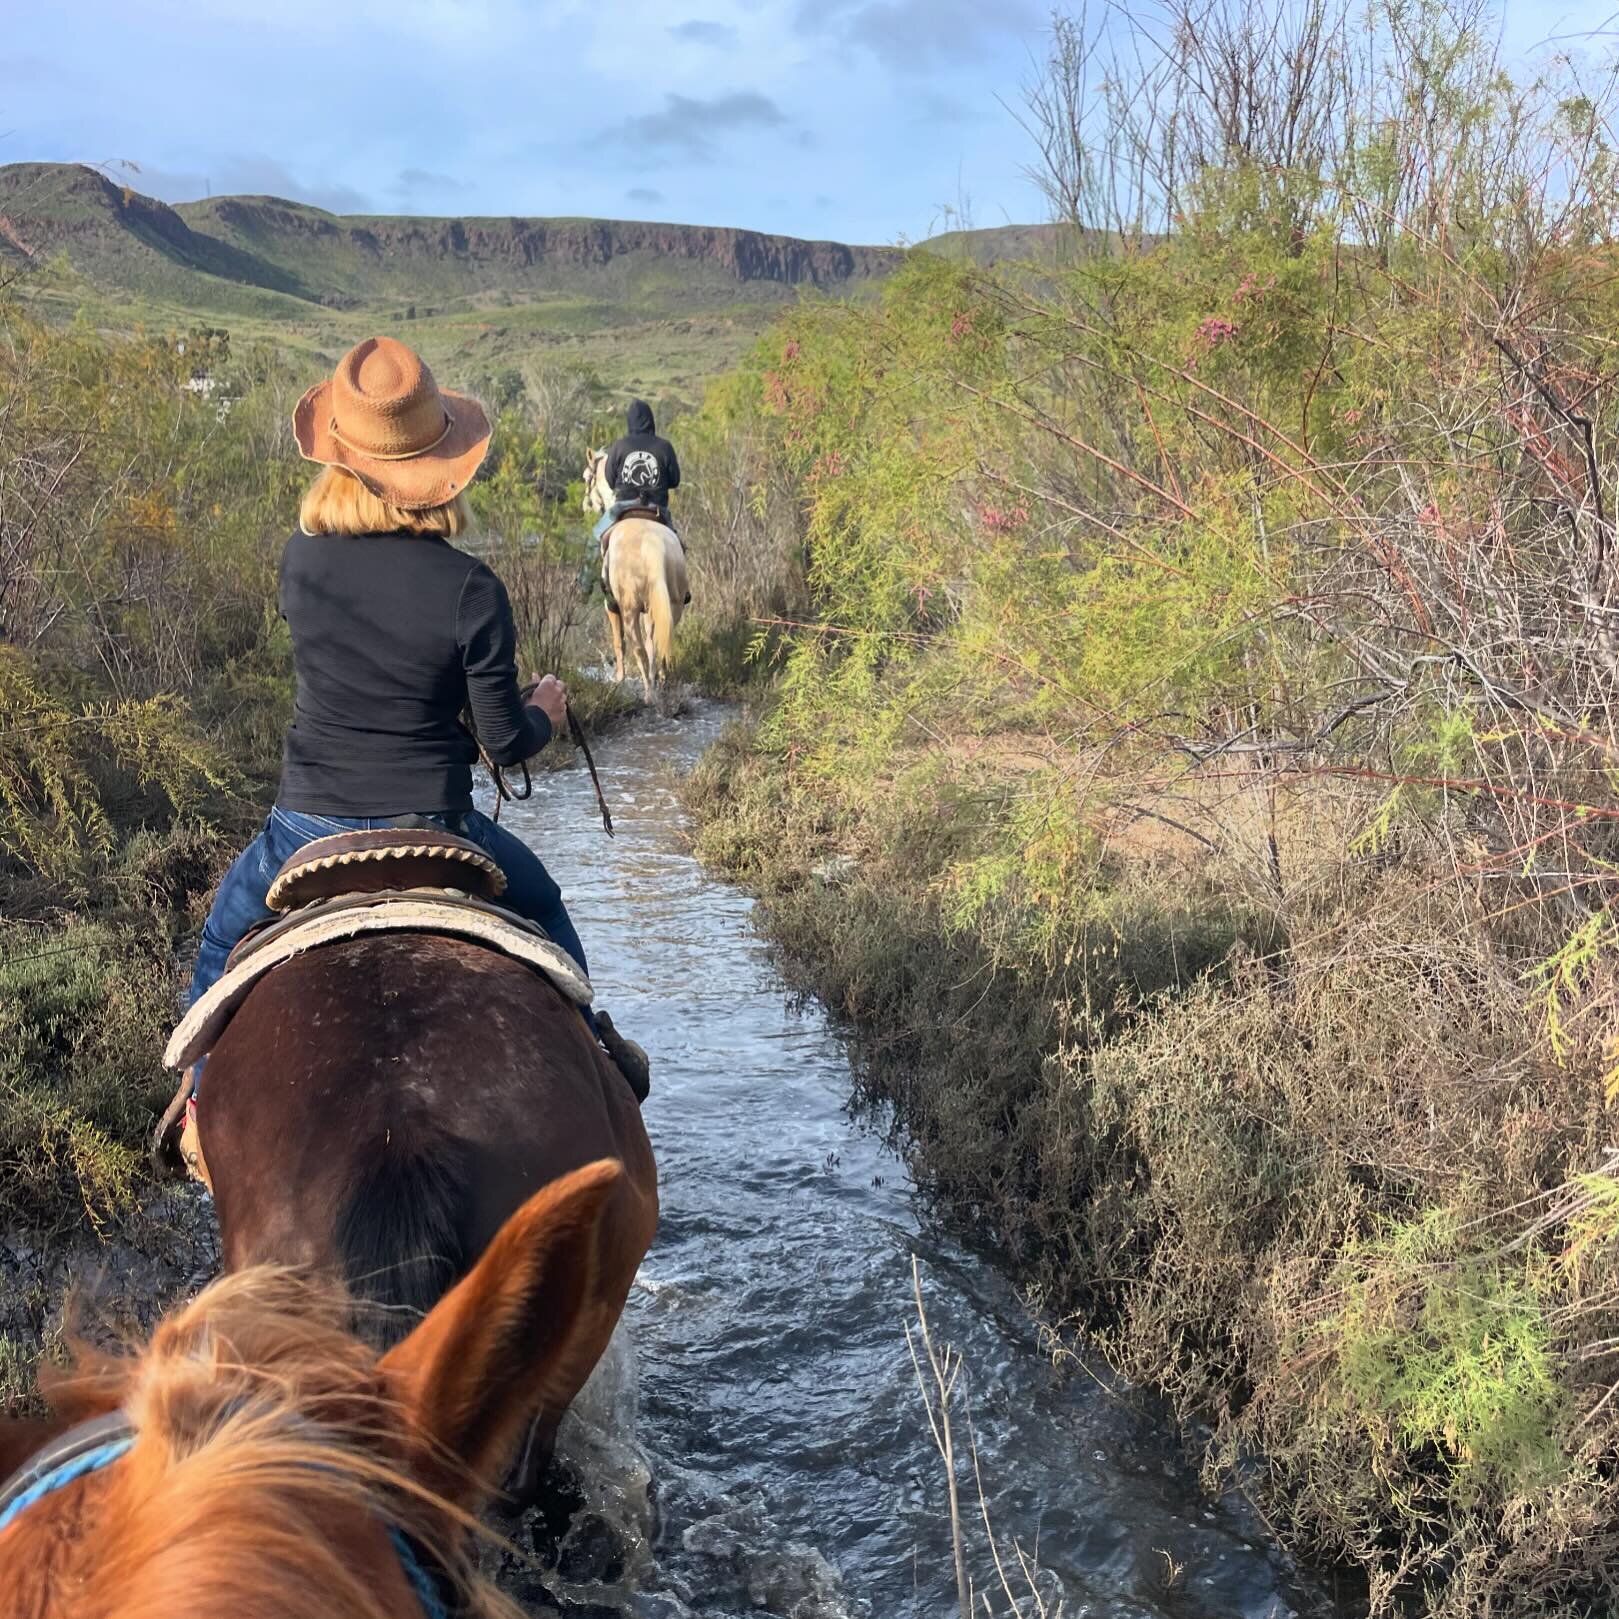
(635, 629)
(649, 655)
(615, 622)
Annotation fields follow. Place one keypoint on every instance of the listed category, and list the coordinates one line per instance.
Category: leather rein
(90, 1446)
(576, 731)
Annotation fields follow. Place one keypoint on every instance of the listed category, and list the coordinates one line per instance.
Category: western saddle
(383, 860)
(652, 513)
(408, 879)
(354, 883)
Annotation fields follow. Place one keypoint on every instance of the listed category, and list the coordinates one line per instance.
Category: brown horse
(258, 1460)
(377, 1108)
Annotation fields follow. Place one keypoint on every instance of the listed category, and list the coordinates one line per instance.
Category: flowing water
(755, 1441)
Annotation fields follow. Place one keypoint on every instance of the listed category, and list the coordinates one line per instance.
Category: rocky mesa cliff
(743, 255)
(117, 235)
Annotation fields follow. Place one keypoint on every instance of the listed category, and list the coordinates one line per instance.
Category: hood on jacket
(639, 417)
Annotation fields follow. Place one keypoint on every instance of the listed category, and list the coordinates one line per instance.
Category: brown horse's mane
(260, 1421)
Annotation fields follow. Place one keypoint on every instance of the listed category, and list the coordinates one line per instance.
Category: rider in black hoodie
(641, 467)
(641, 470)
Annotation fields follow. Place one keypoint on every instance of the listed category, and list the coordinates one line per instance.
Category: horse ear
(500, 1344)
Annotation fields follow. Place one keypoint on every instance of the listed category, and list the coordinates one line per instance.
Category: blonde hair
(338, 503)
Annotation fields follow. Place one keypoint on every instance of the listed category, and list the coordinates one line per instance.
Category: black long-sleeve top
(392, 636)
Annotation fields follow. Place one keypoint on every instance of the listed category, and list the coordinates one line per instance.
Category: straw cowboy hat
(382, 416)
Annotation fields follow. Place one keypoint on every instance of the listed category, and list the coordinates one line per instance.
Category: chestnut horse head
(378, 1107)
(257, 1459)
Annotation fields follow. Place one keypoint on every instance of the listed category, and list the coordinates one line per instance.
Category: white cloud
(913, 36)
(246, 175)
(414, 182)
(688, 127)
(703, 31)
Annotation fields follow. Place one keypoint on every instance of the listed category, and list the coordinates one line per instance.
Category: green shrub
(1441, 1351)
(84, 1011)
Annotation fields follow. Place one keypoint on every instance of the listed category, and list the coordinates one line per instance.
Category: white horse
(646, 578)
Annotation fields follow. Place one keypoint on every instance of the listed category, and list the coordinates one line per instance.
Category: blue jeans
(239, 904)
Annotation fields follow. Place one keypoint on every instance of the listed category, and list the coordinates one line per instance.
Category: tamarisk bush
(1207, 656)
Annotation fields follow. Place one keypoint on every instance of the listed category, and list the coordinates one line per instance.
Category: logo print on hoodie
(640, 470)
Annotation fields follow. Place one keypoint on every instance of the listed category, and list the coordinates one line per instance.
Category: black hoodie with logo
(642, 466)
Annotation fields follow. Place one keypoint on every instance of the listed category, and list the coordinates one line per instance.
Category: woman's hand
(550, 696)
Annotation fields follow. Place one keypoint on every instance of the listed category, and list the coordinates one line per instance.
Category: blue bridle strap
(93, 1445)
(85, 1448)
(46, 1480)
(427, 1589)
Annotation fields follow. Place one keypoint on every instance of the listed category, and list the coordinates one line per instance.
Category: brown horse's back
(378, 1107)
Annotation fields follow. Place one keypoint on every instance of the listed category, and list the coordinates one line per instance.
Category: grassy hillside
(999, 244)
(366, 259)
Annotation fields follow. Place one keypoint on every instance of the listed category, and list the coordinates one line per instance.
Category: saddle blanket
(420, 912)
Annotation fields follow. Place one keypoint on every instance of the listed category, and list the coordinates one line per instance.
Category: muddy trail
(755, 1441)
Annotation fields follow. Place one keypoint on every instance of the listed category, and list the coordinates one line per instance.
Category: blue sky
(860, 120)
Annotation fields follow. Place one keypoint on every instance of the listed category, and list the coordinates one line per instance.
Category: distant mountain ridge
(508, 251)
(47, 207)
(113, 233)
(648, 306)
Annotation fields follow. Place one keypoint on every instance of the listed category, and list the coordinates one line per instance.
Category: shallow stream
(756, 1442)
